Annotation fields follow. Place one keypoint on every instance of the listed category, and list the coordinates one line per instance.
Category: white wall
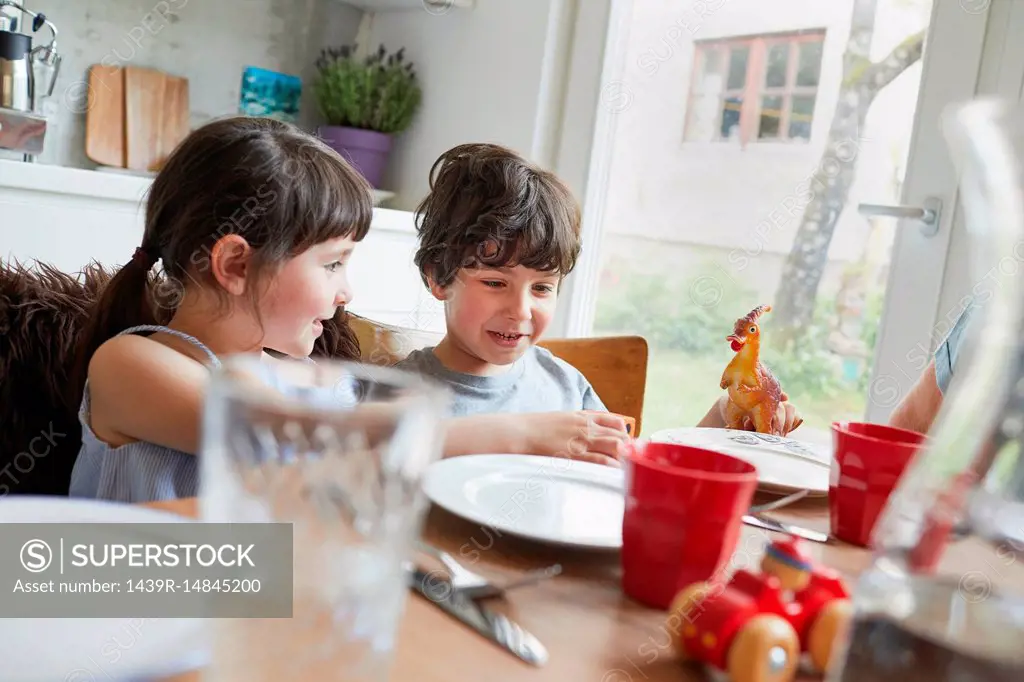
(209, 42)
(481, 73)
(70, 217)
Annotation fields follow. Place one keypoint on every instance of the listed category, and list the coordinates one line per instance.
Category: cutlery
(781, 502)
(476, 586)
(494, 626)
(779, 527)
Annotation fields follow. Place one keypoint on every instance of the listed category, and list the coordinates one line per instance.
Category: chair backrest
(616, 366)
(384, 344)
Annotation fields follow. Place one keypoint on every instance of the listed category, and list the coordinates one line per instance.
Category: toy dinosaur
(754, 392)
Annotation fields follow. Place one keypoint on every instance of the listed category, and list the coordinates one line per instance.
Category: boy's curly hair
(489, 207)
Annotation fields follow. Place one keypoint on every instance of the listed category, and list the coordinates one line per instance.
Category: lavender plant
(378, 92)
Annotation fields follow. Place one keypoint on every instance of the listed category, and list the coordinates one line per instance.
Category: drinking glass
(943, 600)
(338, 450)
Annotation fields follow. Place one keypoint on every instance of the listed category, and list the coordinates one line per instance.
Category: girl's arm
(141, 390)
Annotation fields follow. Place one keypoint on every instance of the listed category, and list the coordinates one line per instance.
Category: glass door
(743, 142)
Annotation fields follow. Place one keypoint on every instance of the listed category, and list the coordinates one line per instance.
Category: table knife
(778, 527)
(494, 626)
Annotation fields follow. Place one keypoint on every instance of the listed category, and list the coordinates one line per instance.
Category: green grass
(682, 387)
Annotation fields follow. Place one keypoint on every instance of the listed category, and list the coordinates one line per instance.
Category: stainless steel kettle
(27, 74)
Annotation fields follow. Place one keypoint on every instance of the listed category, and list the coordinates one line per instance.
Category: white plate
(551, 500)
(783, 464)
(94, 649)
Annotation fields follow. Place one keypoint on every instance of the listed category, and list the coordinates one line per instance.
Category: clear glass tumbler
(338, 450)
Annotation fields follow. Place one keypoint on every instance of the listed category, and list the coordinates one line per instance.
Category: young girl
(253, 222)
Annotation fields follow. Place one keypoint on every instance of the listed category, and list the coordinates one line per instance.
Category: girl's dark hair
(279, 188)
(489, 207)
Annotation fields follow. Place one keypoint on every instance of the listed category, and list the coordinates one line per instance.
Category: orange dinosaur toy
(754, 392)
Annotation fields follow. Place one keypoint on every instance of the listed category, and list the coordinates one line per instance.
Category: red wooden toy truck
(757, 626)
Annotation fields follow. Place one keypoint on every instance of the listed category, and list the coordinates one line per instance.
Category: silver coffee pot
(27, 73)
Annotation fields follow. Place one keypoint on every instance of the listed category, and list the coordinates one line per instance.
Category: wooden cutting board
(136, 117)
(175, 126)
(143, 116)
(104, 118)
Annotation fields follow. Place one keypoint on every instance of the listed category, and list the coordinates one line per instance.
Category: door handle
(928, 215)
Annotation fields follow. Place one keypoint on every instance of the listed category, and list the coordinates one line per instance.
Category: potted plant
(366, 100)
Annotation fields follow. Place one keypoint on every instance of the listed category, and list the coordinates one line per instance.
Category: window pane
(771, 114)
(777, 66)
(712, 60)
(731, 108)
(738, 68)
(800, 114)
(710, 78)
(810, 64)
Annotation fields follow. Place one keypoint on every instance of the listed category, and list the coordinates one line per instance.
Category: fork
(476, 586)
(776, 504)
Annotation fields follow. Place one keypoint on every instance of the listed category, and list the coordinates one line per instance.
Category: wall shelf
(436, 7)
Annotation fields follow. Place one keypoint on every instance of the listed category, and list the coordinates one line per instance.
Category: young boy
(497, 236)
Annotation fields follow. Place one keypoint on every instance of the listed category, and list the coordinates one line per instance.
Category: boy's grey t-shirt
(537, 382)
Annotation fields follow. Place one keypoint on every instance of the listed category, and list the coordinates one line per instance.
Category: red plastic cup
(683, 516)
(867, 462)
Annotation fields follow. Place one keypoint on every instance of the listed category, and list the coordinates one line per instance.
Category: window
(760, 88)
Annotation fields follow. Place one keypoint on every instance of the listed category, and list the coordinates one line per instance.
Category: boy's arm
(592, 401)
(597, 437)
(485, 433)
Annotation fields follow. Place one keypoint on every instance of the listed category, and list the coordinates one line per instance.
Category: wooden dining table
(593, 632)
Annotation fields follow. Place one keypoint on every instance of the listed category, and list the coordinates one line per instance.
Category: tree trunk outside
(829, 186)
(828, 190)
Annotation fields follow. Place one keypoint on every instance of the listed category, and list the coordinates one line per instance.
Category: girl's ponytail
(125, 302)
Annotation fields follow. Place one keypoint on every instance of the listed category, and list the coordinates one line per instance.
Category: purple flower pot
(366, 150)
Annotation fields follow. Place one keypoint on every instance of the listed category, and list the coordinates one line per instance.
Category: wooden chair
(385, 344)
(616, 366)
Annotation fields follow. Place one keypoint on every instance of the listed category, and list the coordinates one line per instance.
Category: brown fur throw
(42, 313)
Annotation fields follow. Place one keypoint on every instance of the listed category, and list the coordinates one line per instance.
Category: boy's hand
(597, 437)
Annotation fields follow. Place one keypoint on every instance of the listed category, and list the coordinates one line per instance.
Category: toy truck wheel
(766, 649)
(828, 630)
(684, 612)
